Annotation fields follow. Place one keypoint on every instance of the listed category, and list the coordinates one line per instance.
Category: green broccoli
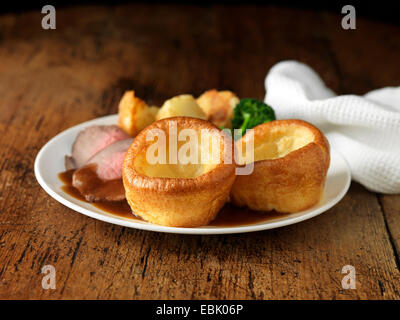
(250, 113)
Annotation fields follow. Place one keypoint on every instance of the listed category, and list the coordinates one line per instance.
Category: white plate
(50, 161)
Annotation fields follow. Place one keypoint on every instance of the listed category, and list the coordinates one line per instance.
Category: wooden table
(51, 80)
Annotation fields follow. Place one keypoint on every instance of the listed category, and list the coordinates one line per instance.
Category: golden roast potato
(218, 106)
(291, 160)
(134, 114)
(181, 193)
(181, 106)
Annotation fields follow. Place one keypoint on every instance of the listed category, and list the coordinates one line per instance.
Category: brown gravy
(229, 216)
(119, 208)
(94, 189)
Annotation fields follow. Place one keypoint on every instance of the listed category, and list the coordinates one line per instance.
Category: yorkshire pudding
(291, 160)
(177, 193)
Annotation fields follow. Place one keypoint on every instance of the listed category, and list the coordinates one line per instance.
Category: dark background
(383, 10)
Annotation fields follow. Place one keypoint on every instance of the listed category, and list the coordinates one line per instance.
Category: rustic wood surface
(53, 79)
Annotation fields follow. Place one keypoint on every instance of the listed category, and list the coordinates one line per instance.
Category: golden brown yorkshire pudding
(179, 194)
(291, 159)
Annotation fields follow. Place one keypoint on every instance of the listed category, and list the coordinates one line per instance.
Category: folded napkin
(364, 129)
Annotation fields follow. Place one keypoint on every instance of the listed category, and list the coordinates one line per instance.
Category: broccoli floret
(250, 113)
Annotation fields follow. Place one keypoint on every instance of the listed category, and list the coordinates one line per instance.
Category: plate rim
(176, 230)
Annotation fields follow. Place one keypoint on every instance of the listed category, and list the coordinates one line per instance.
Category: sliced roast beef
(101, 178)
(90, 141)
(109, 160)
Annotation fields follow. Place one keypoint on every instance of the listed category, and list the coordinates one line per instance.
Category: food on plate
(291, 160)
(250, 113)
(97, 156)
(94, 189)
(100, 179)
(218, 106)
(179, 194)
(90, 141)
(183, 106)
(134, 114)
(109, 160)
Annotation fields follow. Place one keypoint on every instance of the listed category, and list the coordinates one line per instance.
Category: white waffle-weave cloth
(364, 129)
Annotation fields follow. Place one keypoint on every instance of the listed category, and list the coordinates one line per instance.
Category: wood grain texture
(52, 80)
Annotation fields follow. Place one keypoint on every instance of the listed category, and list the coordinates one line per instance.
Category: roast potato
(218, 106)
(134, 114)
(184, 105)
